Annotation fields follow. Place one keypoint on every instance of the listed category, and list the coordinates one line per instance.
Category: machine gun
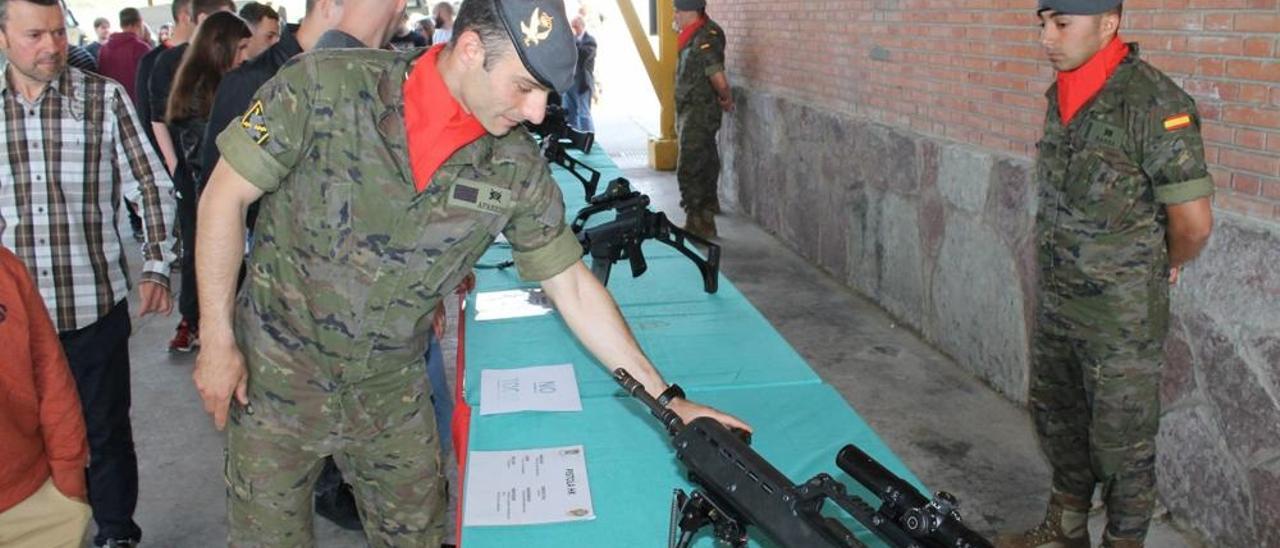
(737, 488)
(621, 238)
(556, 137)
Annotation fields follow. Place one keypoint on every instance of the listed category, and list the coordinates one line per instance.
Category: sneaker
(184, 339)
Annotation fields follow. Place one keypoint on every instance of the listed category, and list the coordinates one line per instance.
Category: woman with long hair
(219, 45)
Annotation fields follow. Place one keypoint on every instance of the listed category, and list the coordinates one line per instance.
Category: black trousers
(99, 359)
(188, 199)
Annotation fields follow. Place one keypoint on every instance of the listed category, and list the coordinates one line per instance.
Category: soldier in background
(702, 94)
(360, 232)
(1124, 205)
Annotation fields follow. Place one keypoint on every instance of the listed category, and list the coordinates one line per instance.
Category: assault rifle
(620, 238)
(737, 488)
(556, 137)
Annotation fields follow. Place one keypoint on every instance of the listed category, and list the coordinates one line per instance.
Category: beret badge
(538, 28)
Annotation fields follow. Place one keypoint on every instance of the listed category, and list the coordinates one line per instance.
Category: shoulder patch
(1177, 121)
(705, 46)
(254, 124)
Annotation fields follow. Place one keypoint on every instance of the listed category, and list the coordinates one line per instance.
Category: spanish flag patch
(1176, 122)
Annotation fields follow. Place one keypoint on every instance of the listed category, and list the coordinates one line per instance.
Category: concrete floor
(954, 432)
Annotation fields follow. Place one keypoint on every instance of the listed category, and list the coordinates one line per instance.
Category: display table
(717, 346)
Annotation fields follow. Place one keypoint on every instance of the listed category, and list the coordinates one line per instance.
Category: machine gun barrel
(669, 419)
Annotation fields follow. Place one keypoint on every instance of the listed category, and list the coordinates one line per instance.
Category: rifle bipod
(689, 514)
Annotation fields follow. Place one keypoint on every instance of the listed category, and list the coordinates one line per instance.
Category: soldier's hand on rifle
(220, 373)
(689, 410)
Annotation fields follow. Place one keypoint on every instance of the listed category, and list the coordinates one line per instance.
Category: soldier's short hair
(129, 17)
(480, 17)
(101, 22)
(210, 7)
(312, 3)
(4, 7)
(255, 12)
(179, 6)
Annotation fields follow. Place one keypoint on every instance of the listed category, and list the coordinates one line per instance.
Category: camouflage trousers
(698, 166)
(1095, 398)
(382, 434)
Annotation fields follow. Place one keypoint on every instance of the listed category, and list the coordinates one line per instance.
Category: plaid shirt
(66, 161)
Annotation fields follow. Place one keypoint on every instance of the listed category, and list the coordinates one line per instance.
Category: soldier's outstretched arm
(220, 371)
(594, 318)
(1189, 226)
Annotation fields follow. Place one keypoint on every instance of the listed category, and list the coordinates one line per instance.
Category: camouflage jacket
(349, 259)
(1105, 178)
(702, 57)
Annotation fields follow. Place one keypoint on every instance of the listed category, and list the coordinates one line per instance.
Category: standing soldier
(1124, 204)
(383, 176)
(702, 92)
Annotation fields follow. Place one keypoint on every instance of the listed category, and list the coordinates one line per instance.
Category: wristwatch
(673, 391)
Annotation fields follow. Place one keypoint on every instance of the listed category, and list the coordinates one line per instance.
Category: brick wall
(972, 71)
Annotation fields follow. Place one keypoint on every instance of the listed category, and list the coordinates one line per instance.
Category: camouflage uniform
(348, 263)
(698, 119)
(1104, 181)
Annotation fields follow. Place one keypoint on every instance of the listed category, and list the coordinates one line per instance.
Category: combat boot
(1109, 541)
(693, 223)
(1065, 525)
(705, 221)
(711, 225)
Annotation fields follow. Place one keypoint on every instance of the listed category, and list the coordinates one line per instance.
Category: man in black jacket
(577, 100)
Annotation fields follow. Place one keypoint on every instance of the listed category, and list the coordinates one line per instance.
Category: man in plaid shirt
(73, 147)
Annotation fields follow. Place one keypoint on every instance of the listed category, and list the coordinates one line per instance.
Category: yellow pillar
(662, 74)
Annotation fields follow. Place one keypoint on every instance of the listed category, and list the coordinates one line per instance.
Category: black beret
(1078, 7)
(542, 37)
(691, 5)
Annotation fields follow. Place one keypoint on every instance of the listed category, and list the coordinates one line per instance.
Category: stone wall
(939, 233)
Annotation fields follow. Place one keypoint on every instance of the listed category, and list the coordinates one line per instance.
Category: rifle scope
(935, 522)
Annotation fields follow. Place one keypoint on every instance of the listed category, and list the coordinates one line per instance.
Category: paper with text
(527, 487)
(542, 388)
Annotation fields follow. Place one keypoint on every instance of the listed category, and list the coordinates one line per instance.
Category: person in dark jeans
(577, 100)
(221, 45)
(83, 280)
(186, 334)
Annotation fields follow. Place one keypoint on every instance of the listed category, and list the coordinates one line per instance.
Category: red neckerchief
(687, 34)
(1076, 87)
(436, 126)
